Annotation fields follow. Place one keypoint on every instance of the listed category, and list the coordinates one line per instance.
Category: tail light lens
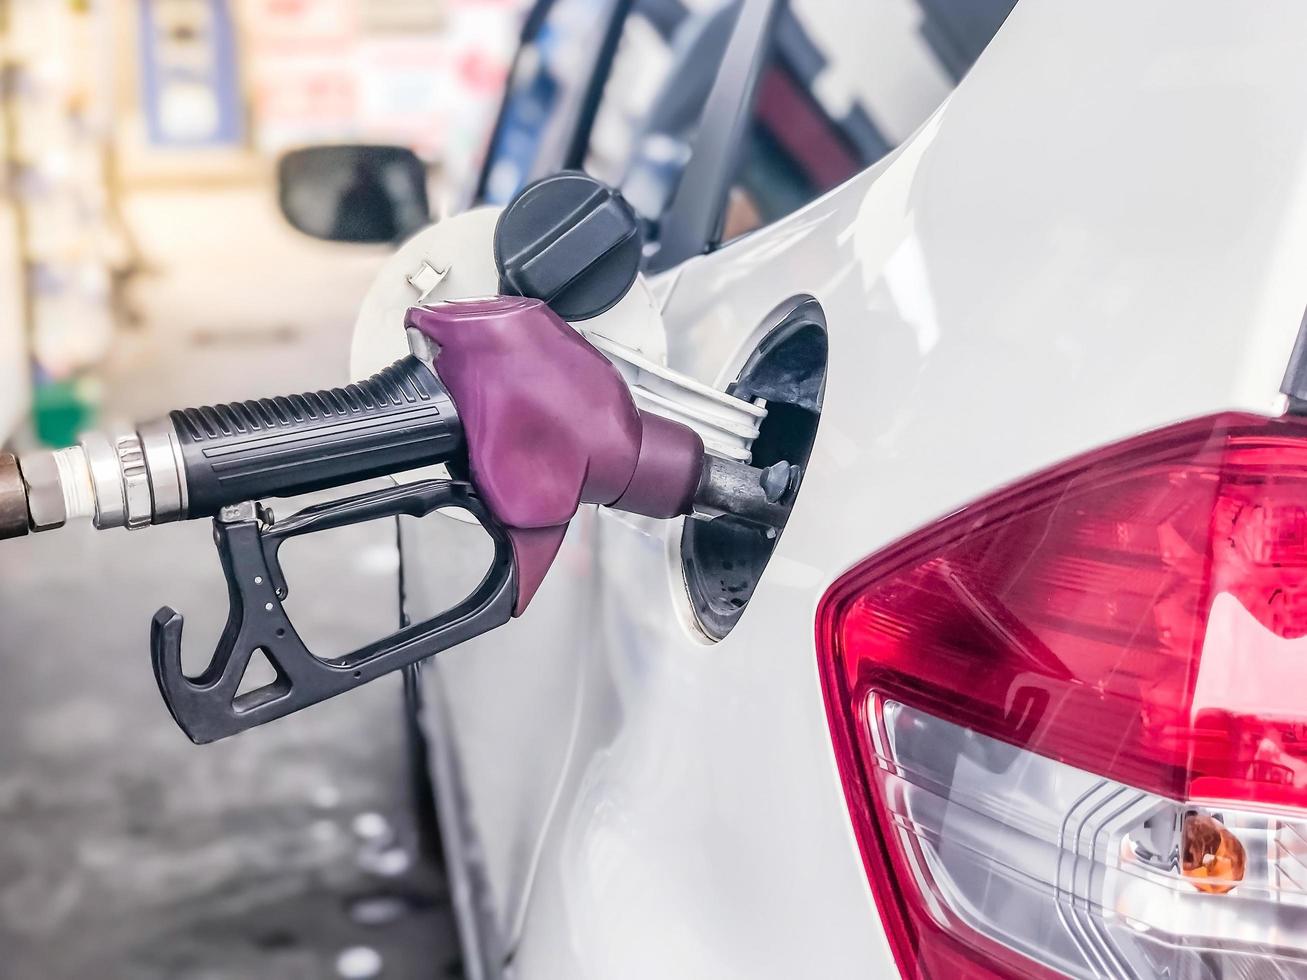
(1071, 720)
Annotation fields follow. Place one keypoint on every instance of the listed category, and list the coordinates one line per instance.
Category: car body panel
(1101, 232)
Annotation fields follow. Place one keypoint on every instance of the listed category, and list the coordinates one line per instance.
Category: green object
(61, 411)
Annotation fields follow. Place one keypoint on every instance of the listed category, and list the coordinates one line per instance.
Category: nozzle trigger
(207, 707)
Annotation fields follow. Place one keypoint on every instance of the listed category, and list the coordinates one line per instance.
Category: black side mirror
(353, 193)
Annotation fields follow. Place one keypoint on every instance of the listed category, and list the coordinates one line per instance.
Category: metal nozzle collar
(137, 479)
(165, 472)
(131, 481)
(107, 482)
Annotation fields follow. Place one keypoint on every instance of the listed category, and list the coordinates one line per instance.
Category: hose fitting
(13, 499)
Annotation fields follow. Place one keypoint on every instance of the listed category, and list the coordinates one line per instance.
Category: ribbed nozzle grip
(398, 419)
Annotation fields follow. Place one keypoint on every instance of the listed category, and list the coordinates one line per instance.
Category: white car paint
(1102, 231)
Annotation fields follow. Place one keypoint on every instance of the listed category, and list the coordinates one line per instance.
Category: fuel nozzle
(532, 419)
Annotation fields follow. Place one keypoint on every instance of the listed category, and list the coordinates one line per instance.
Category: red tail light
(1071, 720)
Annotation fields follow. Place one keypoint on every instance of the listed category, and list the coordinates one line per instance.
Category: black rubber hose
(399, 419)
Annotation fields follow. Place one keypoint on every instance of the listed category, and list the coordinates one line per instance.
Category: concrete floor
(125, 851)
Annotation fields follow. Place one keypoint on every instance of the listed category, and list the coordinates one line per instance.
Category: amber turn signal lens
(1213, 857)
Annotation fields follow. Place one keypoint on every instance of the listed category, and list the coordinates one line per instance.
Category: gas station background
(119, 115)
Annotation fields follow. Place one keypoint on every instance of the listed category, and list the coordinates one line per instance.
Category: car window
(648, 114)
(844, 84)
(546, 92)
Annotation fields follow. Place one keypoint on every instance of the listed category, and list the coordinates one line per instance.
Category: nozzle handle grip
(399, 419)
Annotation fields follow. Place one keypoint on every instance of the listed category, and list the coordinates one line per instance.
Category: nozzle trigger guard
(208, 707)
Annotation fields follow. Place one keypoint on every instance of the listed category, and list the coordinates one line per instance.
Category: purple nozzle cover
(549, 424)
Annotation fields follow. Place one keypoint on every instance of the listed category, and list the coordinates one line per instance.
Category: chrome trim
(46, 504)
(135, 482)
(167, 476)
(106, 479)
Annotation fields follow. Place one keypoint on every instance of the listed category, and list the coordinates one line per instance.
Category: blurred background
(140, 136)
(145, 265)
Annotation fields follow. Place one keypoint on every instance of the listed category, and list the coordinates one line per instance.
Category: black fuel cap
(571, 241)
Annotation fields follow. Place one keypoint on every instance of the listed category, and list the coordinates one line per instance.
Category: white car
(1021, 690)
